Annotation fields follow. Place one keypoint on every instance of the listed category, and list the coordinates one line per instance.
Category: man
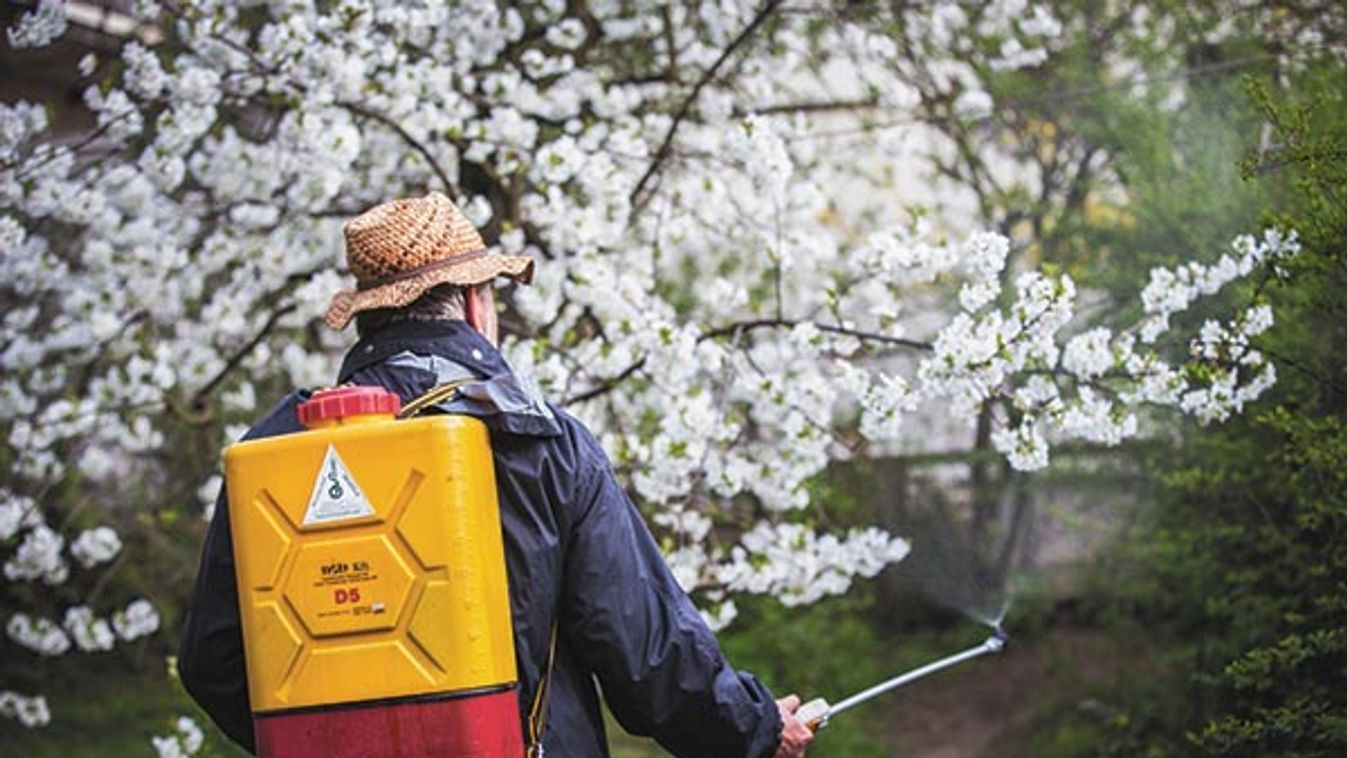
(577, 552)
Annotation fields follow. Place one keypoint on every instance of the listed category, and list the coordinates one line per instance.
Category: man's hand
(795, 736)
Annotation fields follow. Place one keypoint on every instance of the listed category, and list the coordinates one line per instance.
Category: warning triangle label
(336, 496)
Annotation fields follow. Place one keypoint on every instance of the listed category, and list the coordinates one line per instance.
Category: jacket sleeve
(210, 657)
(660, 668)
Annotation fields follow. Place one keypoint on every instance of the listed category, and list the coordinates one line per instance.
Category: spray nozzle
(993, 644)
(997, 641)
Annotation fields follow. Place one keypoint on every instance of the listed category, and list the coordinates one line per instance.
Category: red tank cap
(341, 402)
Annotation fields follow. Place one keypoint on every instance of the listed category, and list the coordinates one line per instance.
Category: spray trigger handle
(814, 714)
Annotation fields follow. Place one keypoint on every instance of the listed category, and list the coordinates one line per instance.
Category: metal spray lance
(816, 713)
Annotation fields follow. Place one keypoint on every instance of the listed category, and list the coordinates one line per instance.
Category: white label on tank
(336, 496)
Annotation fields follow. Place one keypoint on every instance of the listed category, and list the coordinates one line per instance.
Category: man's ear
(472, 308)
(479, 310)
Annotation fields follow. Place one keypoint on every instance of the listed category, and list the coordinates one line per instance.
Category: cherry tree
(730, 290)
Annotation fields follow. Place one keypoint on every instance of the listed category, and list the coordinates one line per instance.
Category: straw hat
(400, 249)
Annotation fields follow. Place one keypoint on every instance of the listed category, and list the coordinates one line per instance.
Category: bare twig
(816, 106)
(233, 44)
(666, 145)
(606, 386)
(239, 355)
(74, 148)
(414, 143)
(779, 323)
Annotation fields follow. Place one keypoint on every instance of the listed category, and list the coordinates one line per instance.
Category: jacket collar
(411, 357)
(454, 340)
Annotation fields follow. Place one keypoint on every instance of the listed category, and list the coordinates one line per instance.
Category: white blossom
(40, 635)
(145, 76)
(1257, 320)
(138, 619)
(94, 546)
(1023, 446)
(758, 145)
(1098, 420)
(31, 711)
(720, 615)
(208, 493)
(1041, 23)
(91, 634)
(948, 19)
(41, 26)
(1172, 291)
(558, 161)
(19, 122)
(38, 557)
(884, 402)
(1089, 354)
(567, 34)
(186, 740)
(16, 512)
(146, 10)
(973, 103)
(1014, 55)
(800, 567)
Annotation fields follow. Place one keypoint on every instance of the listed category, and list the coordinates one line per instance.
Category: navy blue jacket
(576, 550)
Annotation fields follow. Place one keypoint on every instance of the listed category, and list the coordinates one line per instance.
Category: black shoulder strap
(538, 712)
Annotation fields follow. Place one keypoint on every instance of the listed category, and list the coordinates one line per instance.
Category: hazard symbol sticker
(336, 496)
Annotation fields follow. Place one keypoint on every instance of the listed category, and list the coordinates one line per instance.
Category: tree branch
(237, 357)
(815, 106)
(662, 153)
(417, 145)
(606, 386)
(74, 148)
(779, 323)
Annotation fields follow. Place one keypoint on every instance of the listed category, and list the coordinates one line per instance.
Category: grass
(112, 715)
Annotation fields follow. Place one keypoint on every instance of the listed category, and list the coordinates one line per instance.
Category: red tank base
(474, 726)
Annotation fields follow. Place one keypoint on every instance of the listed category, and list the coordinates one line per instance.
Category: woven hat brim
(347, 303)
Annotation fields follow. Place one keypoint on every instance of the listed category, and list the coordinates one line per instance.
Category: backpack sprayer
(372, 585)
(373, 594)
(817, 713)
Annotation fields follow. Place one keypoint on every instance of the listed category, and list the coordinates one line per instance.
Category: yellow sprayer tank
(371, 579)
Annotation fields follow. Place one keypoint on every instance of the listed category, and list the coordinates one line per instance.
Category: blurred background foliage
(1212, 617)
